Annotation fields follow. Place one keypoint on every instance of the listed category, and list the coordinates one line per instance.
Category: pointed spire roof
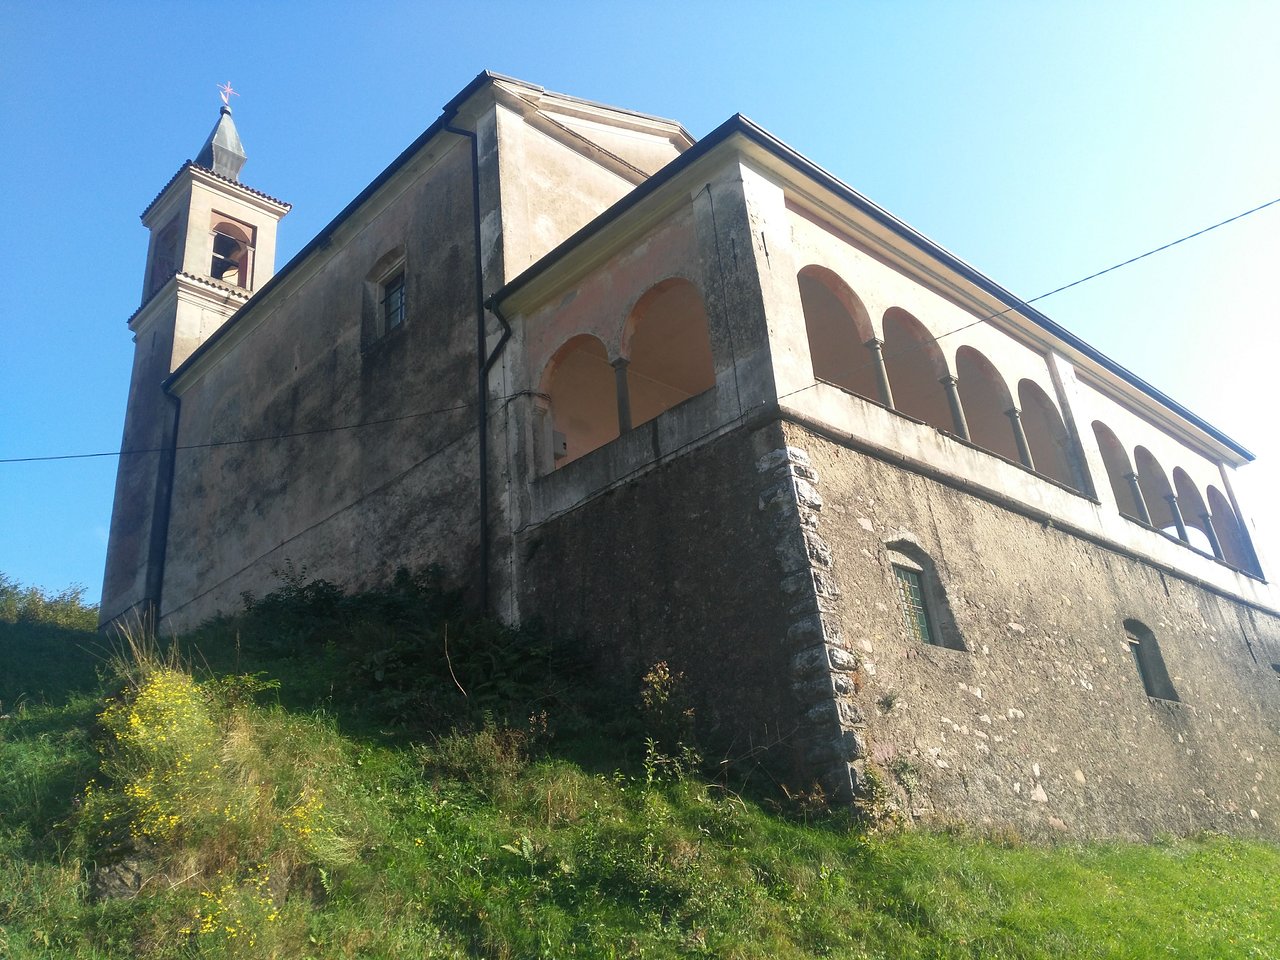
(222, 152)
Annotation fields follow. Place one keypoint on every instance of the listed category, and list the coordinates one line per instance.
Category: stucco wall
(148, 422)
(549, 190)
(678, 565)
(351, 505)
(1043, 722)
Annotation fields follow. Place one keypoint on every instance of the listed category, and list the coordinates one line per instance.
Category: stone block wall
(1041, 722)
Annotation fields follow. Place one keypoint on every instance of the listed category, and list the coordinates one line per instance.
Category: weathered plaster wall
(649, 143)
(1042, 722)
(353, 504)
(679, 566)
(148, 422)
(699, 236)
(549, 190)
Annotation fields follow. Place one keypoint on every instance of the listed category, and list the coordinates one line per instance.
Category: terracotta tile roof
(217, 176)
(238, 292)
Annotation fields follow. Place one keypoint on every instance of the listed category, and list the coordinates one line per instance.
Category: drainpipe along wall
(154, 587)
(484, 359)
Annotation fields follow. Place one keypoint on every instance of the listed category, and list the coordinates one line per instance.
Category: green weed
(392, 817)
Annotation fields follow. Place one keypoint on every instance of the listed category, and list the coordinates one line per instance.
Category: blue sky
(1041, 142)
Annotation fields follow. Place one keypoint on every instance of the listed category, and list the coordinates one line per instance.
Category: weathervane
(227, 93)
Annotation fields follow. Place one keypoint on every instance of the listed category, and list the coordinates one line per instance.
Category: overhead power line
(269, 438)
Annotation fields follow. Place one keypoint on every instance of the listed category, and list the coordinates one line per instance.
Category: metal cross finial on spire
(227, 93)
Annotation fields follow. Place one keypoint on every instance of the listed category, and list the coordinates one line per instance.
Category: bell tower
(212, 245)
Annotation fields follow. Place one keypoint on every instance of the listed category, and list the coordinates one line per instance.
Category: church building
(702, 402)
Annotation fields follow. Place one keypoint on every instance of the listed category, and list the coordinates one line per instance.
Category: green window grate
(914, 611)
(393, 303)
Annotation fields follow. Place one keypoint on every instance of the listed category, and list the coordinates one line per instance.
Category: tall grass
(368, 806)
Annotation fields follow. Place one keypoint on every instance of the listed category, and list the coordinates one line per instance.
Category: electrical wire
(466, 405)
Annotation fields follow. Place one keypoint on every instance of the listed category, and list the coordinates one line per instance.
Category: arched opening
(1231, 535)
(838, 329)
(232, 253)
(1194, 513)
(1150, 662)
(987, 403)
(1046, 434)
(668, 343)
(583, 403)
(1154, 483)
(165, 259)
(922, 600)
(1116, 460)
(915, 367)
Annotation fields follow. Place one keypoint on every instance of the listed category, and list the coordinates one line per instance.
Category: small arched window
(926, 613)
(1150, 663)
(232, 261)
(384, 301)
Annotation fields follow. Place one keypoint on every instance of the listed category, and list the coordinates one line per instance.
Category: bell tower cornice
(191, 172)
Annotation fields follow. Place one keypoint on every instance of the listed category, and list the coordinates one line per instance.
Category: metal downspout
(165, 473)
(484, 360)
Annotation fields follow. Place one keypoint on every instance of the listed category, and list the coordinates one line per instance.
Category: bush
(210, 794)
(34, 605)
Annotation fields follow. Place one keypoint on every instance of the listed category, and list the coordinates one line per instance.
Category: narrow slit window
(1150, 663)
(393, 303)
(915, 612)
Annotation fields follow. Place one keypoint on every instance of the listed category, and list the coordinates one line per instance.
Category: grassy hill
(384, 775)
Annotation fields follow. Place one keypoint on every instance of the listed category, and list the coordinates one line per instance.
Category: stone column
(952, 385)
(544, 446)
(1172, 500)
(1020, 437)
(1139, 501)
(876, 346)
(624, 394)
(1212, 534)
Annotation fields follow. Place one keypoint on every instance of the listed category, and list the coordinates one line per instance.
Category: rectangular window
(914, 611)
(393, 303)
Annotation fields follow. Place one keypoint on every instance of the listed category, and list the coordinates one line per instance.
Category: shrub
(65, 608)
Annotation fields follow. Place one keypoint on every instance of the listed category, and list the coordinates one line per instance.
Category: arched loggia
(581, 396)
(667, 350)
(1156, 492)
(1195, 515)
(1046, 434)
(839, 332)
(986, 401)
(916, 369)
(1235, 545)
(1120, 474)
